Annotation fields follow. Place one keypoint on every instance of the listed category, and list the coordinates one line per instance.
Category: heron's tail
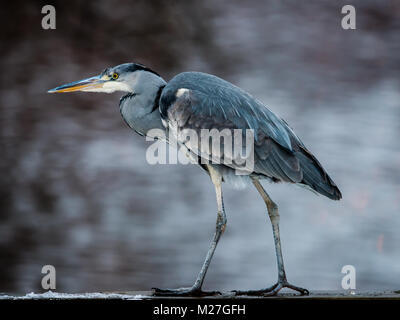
(315, 176)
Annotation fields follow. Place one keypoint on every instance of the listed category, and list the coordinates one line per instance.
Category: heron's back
(213, 103)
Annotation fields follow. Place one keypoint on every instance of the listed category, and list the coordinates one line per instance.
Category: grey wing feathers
(315, 176)
(209, 102)
(280, 162)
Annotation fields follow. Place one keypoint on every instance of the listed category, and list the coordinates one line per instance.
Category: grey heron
(195, 100)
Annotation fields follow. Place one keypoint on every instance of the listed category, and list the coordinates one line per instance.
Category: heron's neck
(140, 107)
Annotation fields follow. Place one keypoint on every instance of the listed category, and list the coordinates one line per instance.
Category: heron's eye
(115, 76)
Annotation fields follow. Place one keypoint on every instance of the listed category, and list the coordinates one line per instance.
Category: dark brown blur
(76, 191)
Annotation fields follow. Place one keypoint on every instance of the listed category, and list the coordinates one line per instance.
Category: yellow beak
(89, 84)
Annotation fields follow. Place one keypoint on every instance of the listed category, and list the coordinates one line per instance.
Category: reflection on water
(77, 193)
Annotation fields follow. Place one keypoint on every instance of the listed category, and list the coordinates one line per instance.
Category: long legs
(273, 213)
(195, 290)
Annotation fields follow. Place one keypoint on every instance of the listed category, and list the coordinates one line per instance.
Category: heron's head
(127, 77)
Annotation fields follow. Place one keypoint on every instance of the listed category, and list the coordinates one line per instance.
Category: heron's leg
(282, 280)
(219, 227)
(195, 290)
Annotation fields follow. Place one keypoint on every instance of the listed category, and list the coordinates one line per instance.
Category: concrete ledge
(147, 295)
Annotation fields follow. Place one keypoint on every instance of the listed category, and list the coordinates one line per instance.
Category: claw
(286, 284)
(255, 292)
(184, 292)
(273, 290)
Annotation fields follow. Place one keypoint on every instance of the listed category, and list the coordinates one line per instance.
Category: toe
(187, 292)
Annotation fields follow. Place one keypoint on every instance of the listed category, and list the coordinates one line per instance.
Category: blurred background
(76, 191)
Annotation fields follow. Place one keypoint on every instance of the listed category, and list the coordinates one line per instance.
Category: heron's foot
(272, 291)
(184, 292)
